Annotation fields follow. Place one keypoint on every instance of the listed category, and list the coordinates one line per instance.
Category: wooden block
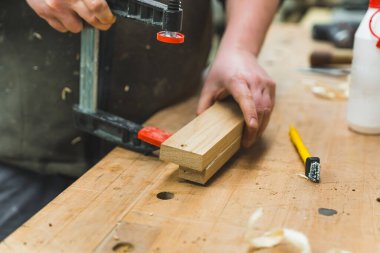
(197, 144)
(202, 177)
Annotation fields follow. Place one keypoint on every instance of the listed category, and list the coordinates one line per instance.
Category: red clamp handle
(153, 135)
(171, 37)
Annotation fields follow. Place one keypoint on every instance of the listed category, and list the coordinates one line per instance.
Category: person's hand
(237, 72)
(67, 15)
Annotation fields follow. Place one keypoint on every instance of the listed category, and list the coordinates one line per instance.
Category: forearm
(247, 23)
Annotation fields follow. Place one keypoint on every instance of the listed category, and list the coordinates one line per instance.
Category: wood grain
(123, 187)
(129, 237)
(198, 143)
(202, 177)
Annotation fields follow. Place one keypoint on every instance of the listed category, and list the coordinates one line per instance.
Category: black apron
(39, 79)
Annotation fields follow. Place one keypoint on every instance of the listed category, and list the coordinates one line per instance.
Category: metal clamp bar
(89, 56)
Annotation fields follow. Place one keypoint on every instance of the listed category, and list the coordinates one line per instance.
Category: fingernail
(253, 122)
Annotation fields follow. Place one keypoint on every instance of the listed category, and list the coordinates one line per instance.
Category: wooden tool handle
(325, 58)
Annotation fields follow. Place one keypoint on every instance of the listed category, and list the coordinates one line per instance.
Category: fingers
(242, 94)
(263, 93)
(72, 22)
(101, 11)
(82, 10)
(57, 25)
(57, 10)
(249, 136)
(256, 101)
(240, 91)
(67, 15)
(65, 23)
(206, 99)
(265, 109)
(264, 122)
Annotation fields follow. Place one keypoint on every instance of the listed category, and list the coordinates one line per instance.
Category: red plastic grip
(178, 39)
(153, 135)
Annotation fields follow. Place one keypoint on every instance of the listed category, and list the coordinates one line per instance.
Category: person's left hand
(68, 15)
(237, 72)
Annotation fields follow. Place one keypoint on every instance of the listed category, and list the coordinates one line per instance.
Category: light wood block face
(202, 177)
(198, 144)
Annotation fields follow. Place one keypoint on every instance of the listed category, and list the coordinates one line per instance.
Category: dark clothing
(23, 193)
(39, 81)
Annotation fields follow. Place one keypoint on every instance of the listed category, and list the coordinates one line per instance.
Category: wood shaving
(37, 36)
(328, 90)
(64, 93)
(303, 176)
(281, 235)
(76, 140)
(255, 217)
(338, 251)
(277, 236)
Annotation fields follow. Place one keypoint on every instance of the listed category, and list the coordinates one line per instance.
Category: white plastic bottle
(364, 101)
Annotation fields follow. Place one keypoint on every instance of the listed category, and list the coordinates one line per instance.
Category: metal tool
(340, 34)
(336, 72)
(104, 125)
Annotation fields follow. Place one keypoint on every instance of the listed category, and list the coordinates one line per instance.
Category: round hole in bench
(165, 195)
(123, 247)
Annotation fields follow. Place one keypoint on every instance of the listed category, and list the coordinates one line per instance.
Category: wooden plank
(202, 177)
(123, 188)
(197, 144)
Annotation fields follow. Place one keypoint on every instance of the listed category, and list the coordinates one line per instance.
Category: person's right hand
(68, 15)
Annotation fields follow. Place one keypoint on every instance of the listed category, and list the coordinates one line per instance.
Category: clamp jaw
(104, 125)
(120, 131)
(168, 17)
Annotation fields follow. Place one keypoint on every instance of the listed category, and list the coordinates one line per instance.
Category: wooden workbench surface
(116, 200)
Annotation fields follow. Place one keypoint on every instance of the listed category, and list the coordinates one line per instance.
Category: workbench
(129, 202)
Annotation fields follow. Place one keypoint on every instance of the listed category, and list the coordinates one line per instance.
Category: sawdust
(338, 251)
(278, 236)
(64, 93)
(76, 140)
(275, 237)
(326, 90)
(302, 176)
(37, 35)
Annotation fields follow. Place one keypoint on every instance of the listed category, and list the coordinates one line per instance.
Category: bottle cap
(374, 4)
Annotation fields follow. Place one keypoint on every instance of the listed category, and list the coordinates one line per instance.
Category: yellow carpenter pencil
(312, 164)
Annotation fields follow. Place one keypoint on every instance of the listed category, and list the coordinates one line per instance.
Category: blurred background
(295, 10)
(331, 24)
